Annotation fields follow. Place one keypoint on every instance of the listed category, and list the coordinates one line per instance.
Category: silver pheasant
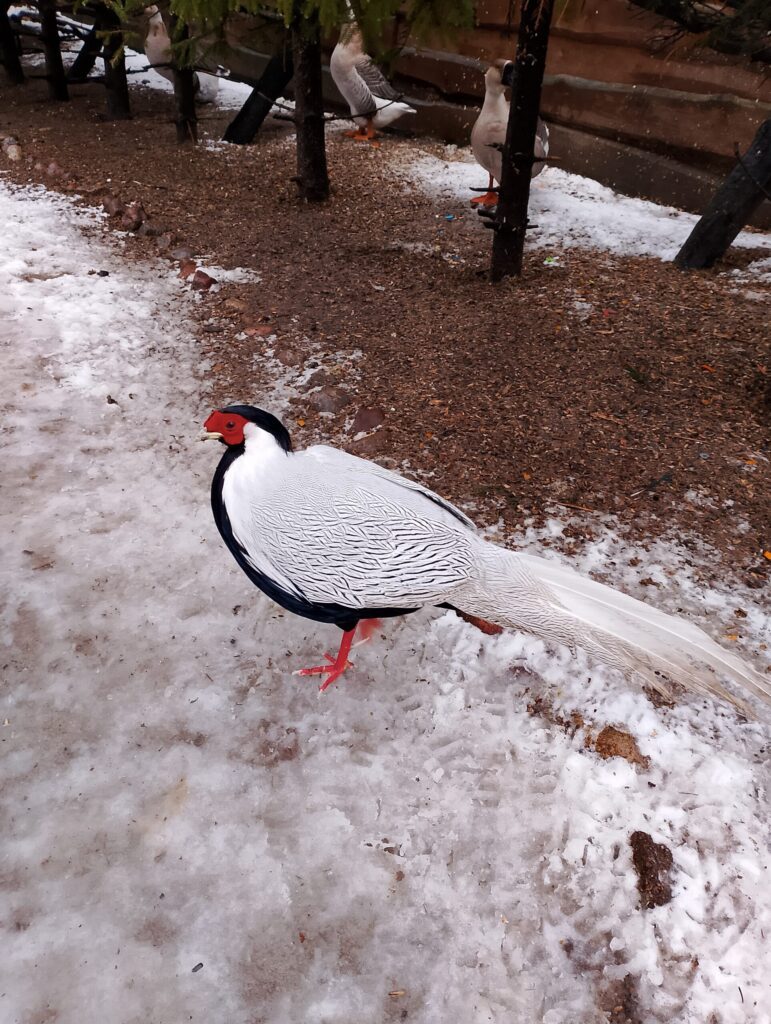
(339, 539)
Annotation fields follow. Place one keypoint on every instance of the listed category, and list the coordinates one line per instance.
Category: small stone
(113, 206)
(187, 267)
(329, 399)
(653, 864)
(150, 229)
(317, 378)
(164, 241)
(237, 305)
(11, 148)
(55, 171)
(366, 420)
(370, 444)
(181, 253)
(202, 281)
(260, 331)
(287, 355)
(133, 217)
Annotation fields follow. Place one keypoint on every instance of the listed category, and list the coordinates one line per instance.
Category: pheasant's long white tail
(556, 603)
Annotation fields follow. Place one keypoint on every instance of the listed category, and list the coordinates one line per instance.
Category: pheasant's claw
(334, 675)
(336, 666)
(316, 669)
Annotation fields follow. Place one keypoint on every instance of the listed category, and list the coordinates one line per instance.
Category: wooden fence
(627, 103)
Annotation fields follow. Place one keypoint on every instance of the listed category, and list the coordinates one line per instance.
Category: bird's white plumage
(489, 132)
(158, 53)
(368, 93)
(335, 529)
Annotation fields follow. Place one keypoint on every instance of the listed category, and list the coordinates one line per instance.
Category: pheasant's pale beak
(212, 435)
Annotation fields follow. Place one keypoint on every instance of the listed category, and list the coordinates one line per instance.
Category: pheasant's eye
(230, 425)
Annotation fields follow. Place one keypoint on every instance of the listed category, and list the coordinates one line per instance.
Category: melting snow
(191, 833)
(570, 210)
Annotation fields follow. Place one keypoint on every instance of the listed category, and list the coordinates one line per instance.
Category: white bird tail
(551, 601)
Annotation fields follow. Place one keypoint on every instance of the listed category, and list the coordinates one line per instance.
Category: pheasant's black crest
(265, 421)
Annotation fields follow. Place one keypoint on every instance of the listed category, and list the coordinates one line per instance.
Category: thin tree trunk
(184, 90)
(519, 150)
(8, 51)
(312, 176)
(115, 79)
(57, 81)
(274, 79)
(83, 64)
(732, 205)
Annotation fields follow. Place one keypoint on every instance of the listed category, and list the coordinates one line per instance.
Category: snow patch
(569, 210)
(192, 833)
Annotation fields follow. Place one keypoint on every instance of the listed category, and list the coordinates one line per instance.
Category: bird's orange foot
(367, 134)
(488, 199)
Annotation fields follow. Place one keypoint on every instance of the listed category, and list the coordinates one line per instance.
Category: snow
(569, 210)
(414, 840)
(230, 95)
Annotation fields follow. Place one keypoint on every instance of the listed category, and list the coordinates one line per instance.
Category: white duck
(489, 132)
(158, 53)
(373, 100)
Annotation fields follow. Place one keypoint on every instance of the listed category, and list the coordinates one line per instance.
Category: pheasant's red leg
(336, 666)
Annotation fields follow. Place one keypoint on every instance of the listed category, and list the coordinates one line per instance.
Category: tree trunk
(732, 205)
(312, 176)
(8, 51)
(57, 81)
(184, 90)
(519, 150)
(115, 79)
(274, 79)
(83, 64)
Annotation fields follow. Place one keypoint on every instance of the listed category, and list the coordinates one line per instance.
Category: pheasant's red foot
(336, 666)
(488, 199)
(334, 670)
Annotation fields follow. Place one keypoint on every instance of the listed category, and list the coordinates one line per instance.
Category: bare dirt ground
(608, 384)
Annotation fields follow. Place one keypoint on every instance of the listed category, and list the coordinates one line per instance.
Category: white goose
(489, 132)
(158, 53)
(373, 100)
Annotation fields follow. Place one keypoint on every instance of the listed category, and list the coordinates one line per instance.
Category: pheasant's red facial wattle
(228, 424)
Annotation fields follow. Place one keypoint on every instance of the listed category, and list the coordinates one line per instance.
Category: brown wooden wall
(626, 104)
(610, 71)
